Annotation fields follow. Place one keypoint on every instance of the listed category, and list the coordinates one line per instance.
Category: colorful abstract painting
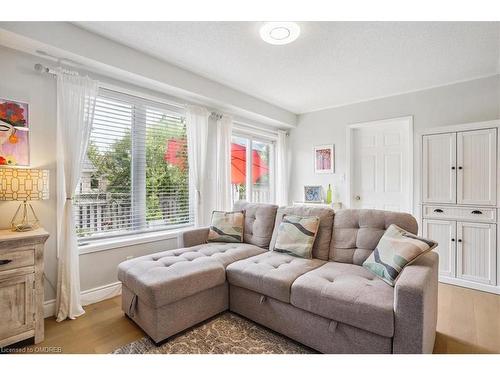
(324, 159)
(14, 133)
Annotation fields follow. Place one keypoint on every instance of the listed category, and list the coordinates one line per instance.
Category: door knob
(357, 197)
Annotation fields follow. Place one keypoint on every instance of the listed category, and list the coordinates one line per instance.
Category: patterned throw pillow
(296, 235)
(226, 227)
(396, 249)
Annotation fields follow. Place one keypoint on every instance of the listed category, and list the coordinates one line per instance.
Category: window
(135, 175)
(252, 162)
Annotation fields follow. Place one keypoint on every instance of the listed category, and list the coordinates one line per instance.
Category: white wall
(18, 81)
(476, 100)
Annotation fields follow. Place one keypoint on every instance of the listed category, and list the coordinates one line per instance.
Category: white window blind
(135, 176)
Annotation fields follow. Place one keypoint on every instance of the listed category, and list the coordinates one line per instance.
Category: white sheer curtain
(76, 97)
(223, 180)
(197, 139)
(282, 181)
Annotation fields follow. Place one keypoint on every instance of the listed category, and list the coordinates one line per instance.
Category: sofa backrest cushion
(259, 222)
(321, 245)
(356, 232)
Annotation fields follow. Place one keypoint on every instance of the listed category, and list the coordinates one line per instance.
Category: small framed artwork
(324, 159)
(14, 133)
(313, 194)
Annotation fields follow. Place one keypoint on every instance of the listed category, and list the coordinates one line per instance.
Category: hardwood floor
(468, 322)
(102, 329)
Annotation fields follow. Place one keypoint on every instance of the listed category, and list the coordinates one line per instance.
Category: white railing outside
(111, 212)
(260, 194)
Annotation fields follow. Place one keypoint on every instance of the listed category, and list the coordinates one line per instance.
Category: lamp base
(24, 219)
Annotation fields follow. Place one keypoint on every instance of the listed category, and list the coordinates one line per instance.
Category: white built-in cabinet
(459, 202)
(460, 167)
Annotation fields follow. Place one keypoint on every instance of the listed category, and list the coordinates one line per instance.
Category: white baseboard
(49, 308)
(88, 297)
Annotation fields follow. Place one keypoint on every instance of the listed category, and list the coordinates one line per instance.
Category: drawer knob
(5, 261)
(438, 210)
(476, 212)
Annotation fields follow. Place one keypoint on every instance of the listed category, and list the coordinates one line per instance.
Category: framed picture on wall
(14, 133)
(313, 194)
(324, 159)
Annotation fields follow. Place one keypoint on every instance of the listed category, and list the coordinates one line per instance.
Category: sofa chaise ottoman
(329, 303)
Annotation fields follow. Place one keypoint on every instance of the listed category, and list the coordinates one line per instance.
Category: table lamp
(24, 185)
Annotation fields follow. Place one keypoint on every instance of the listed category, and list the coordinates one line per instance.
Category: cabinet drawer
(21, 257)
(480, 214)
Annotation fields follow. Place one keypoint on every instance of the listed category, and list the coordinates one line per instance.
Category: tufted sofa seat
(271, 274)
(349, 294)
(330, 302)
(166, 277)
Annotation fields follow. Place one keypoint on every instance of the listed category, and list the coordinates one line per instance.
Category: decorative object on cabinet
(335, 205)
(329, 194)
(313, 194)
(14, 133)
(24, 185)
(21, 286)
(459, 202)
(324, 159)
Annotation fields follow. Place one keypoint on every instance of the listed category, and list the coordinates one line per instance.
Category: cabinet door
(476, 167)
(439, 168)
(476, 252)
(16, 305)
(444, 233)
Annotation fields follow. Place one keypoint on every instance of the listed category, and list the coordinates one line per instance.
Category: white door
(439, 168)
(444, 233)
(476, 252)
(382, 166)
(476, 167)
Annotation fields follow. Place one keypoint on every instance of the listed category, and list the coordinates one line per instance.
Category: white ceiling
(331, 64)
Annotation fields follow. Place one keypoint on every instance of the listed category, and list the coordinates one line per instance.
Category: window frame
(133, 236)
(258, 136)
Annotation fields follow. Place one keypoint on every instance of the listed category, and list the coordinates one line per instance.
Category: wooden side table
(21, 285)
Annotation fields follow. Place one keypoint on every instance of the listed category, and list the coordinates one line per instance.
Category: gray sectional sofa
(329, 303)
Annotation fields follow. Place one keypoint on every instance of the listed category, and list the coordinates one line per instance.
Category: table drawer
(481, 214)
(21, 257)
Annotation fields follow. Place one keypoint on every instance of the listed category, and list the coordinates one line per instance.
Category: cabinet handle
(476, 212)
(5, 261)
(453, 168)
(459, 167)
(452, 240)
(438, 210)
(459, 240)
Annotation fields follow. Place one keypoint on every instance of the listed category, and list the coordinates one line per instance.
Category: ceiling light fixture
(279, 33)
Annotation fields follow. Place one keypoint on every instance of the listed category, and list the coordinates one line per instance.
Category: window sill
(134, 239)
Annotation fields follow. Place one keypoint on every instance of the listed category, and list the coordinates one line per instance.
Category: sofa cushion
(162, 278)
(321, 245)
(349, 294)
(396, 249)
(259, 222)
(356, 233)
(226, 227)
(271, 273)
(296, 235)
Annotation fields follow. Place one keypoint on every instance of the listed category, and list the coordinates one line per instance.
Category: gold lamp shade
(24, 185)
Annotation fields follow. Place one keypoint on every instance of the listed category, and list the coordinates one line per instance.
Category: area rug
(226, 333)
